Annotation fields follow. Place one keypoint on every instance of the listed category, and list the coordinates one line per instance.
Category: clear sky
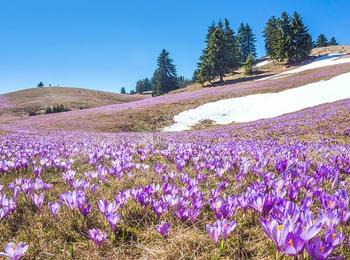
(106, 45)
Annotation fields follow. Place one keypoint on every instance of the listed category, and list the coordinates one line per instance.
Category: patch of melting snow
(260, 106)
(322, 61)
(263, 63)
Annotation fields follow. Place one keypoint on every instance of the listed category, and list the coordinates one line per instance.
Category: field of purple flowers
(194, 194)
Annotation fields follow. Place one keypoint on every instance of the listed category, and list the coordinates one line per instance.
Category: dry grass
(158, 115)
(38, 99)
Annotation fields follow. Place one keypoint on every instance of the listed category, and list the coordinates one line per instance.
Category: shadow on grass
(256, 76)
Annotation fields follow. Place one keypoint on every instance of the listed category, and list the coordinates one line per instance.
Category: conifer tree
(301, 41)
(40, 84)
(333, 41)
(321, 41)
(270, 35)
(246, 41)
(165, 76)
(284, 38)
(122, 90)
(287, 39)
(221, 54)
(249, 63)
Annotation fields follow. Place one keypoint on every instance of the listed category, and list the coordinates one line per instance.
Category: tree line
(56, 109)
(287, 40)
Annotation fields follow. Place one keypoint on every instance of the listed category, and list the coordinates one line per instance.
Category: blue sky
(110, 44)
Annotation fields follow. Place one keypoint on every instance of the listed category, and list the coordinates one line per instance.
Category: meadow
(236, 191)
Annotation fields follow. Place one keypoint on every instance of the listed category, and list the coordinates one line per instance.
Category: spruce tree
(40, 84)
(270, 35)
(333, 41)
(301, 41)
(321, 41)
(165, 76)
(221, 54)
(246, 41)
(231, 51)
(287, 39)
(122, 90)
(249, 64)
(216, 55)
(284, 38)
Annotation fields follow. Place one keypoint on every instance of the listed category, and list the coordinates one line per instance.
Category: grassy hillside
(37, 99)
(156, 113)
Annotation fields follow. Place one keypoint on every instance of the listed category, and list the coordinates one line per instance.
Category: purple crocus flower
(277, 232)
(113, 219)
(220, 228)
(14, 251)
(85, 209)
(293, 244)
(38, 200)
(214, 232)
(97, 236)
(333, 238)
(159, 208)
(54, 208)
(317, 249)
(107, 208)
(163, 228)
(227, 227)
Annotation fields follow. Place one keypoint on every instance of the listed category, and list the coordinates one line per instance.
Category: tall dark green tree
(301, 41)
(221, 54)
(284, 38)
(165, 76)
(270, 35)
(333, 41)
(122, 90)
(321, 41)
(287, 39)
(40, 84)
(246, 41)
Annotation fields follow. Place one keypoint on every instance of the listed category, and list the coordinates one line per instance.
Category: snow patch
(322, 61)
(260, 106)
(263, 63)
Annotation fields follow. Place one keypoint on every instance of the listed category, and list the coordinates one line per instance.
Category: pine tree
(321, 41)
(287, 39)
(333, 41)
(284, 38)
(165, 76)
(40, 84)
(246, 41)
(231, 51)
(122, 90)
(270, 35)
(301, 41)
(48, 110)
(221, 54)
(249, 63)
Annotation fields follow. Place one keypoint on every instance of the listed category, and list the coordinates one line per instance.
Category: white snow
(322, 61)
(263, 63)
(259, 106)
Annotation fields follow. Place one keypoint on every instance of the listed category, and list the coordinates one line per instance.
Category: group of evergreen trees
(56, 109)
(225, 51)
(287, 38)
(322, 41)
(143, 85)
(164, 78)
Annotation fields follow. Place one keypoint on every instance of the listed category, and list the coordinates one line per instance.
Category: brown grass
(38, 99)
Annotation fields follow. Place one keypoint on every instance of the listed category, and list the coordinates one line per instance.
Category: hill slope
(36, 100)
